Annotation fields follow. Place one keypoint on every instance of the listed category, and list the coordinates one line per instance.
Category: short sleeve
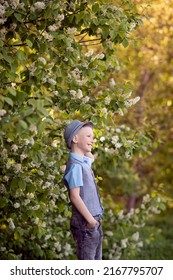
(73, 177)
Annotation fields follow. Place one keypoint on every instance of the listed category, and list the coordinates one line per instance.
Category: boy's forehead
(86, 128)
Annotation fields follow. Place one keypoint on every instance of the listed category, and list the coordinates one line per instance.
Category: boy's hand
(90, 155)
(92, 224)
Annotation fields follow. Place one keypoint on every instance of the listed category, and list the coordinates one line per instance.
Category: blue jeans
(88, 240)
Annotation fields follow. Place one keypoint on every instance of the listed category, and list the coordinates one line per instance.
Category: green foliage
(128, 235)
(49, 76)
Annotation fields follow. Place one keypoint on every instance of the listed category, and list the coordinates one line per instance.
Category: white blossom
(76, 73)
(36, 221)
(121, 215)
(11, 224)
(100, 56)
(120, 112)
(140, 244)
(131, 101)
(51, 81)
(137, 210)
(135, 236)
(127, 155)
(4, 153)
(102, 139)
(62, 168)
(142, 206)
(33, 128)
(42, 60)
(71, 31)
(73, 92)
(104, 111)
(57, 246)
(118, 130)
(70, 49)
(43, 224)
(127, 95)
(16, 205)
(146, 198)
(14, 148)
(89, 53)
(79, 94)
(9, 164)
(132, 25)
(2, 189)
(85, 99)
(3, 249)
(17, 167)
(36, 207)
(6, 178)
(47, 236)
(38, 6)
(14, 3)
(13, 85)
(107, 100)
(23, 156)
(124, 243)
(48, 36)
(115, 139)
(51, 177)
(32, 68)
(2, 112)
(54, 27)
(109, 233)
(26, 201)
(60, 17)
(81, 81)
(40, 172)
(112, 82)
(30, 195)
(155, 210)
(46, 185)
(67, 247)
(54, 143)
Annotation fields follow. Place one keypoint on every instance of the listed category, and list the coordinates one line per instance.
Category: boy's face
(84, 139)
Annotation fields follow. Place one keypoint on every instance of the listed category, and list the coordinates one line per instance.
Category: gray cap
(72, 129)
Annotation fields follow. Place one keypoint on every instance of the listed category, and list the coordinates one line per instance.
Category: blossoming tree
(49, 75)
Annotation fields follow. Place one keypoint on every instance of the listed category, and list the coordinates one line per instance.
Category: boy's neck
(77, 151)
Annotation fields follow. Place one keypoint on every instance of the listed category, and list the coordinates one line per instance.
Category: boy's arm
(81, 207)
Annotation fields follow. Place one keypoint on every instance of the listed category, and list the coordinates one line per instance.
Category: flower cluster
(116, 141)
(38, 6)
(131, 243)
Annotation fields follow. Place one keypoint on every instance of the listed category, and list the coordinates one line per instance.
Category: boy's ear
(75, 139)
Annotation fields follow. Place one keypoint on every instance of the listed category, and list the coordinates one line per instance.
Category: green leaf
(29, 43)
(22, 184)
(105, 32)
(18, 17)
(23, 124)
(12, 91)
(20, 55)
(3, 202)
(28, 112)
(8, 58)
(125, 43)
(1, 43)
(9, 101)
(95, 8)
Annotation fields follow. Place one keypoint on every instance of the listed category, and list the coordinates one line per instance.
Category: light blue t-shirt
(74, 175)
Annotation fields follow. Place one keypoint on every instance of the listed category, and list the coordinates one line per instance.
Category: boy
(85, 222)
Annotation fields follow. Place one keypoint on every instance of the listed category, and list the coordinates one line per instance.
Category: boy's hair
(72, 129)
